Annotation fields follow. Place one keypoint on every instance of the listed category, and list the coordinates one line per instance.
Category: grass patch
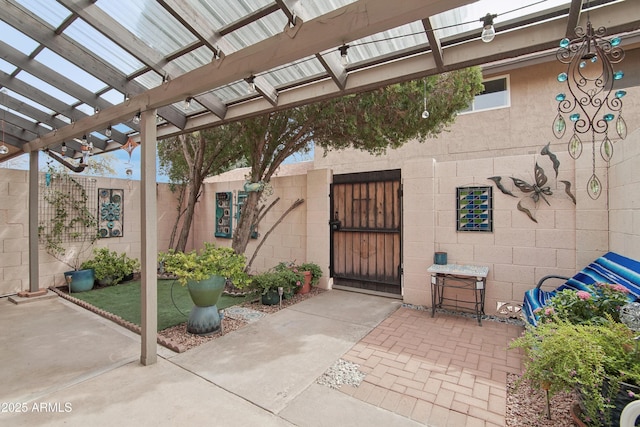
(124, 301)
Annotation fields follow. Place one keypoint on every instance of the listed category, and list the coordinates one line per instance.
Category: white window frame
(472, 107)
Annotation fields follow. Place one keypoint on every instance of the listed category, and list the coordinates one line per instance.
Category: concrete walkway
(64, 365)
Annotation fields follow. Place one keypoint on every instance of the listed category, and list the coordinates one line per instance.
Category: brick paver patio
(442, 371)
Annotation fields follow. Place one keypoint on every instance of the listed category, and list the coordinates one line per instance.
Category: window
(495, 95)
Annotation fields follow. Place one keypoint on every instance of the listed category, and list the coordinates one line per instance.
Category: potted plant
(205, 273)
(70, 229)
(109, 267)
(267, 284)
(314, 269)
(580, 346)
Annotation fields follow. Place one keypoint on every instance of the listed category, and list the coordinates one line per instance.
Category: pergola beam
(353, 21)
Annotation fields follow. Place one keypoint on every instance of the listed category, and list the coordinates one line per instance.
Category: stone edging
(168, 343)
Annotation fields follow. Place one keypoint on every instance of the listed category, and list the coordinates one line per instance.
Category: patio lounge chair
(609, 268)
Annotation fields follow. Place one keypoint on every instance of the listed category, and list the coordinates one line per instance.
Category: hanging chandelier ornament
(590, 104)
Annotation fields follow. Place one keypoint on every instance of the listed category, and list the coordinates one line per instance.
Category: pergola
(94, 73)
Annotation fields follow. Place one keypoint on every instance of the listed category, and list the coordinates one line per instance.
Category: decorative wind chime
(591, 102)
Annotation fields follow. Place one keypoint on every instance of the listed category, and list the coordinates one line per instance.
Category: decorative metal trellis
(111, 212)
(65, 205)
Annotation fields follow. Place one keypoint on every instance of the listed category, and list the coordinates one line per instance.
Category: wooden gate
(366, 231)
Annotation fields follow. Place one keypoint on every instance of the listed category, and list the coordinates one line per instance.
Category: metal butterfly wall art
(538, 190)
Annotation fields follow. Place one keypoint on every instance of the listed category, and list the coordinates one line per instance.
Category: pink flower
(631, 394)
(548, 311)
(298, 283)
(620, 288)
(584, 295)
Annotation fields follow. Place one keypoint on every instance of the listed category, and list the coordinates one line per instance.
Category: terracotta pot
(575, 415)
(306, 286)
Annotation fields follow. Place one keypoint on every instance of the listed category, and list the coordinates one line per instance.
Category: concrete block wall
(14, 231)
(519, 251)
(287, 242)
(624, 198)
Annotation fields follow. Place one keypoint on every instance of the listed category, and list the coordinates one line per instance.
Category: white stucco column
(149, 239)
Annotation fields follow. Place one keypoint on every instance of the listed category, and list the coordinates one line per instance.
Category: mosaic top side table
(454, 276)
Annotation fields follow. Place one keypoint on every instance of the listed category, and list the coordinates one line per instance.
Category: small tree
(373, 122)
(188, 159)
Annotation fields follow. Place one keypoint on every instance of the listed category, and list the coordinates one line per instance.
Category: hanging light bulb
(108, 132)
(63, 149)
(425, 112)
(252, 84)
(187, 103)
(84, 140)
(344, 58)
(136, 119)
(489, 31)
(3, 148)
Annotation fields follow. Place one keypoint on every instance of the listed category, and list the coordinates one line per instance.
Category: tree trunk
(188, 217)
(242, 233)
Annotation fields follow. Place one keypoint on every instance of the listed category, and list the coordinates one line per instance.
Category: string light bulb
(344, 58)
(187, 103)
(108, 131)
(136, 119)
(488, 31)
(252, 84)
(63, 149)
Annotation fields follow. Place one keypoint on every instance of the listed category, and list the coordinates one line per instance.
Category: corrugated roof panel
(222, 13)
(46, 87)
(30, 102)
(150, 79)
(315, 8)
(194, 59)
(150, 22)
(51, 12)
(7, 67)
(17, 39)
(294, 71)
(69, 70)
(257, 31)
(400, 38)
(102, 47)
(113, 96)
(231, 92)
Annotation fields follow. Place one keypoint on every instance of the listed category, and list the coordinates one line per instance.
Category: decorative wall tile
(474, 209)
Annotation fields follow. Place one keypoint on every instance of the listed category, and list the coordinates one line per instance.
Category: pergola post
(34, 266)
(149, 239)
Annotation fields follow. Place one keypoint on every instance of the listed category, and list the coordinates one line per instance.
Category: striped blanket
(609, 268)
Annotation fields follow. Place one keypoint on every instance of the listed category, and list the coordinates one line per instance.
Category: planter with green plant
(205, 274)
(580, 346)
(110, 267)
(267, 285)
(67, 226)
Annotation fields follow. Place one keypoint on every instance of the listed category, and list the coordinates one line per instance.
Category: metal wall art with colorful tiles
(111, 212)
(474, 209)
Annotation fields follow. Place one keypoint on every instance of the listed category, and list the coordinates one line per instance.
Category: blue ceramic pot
(81, 280)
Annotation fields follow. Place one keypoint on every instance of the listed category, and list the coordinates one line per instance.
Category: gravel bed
(526, 406)
(340, 373)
